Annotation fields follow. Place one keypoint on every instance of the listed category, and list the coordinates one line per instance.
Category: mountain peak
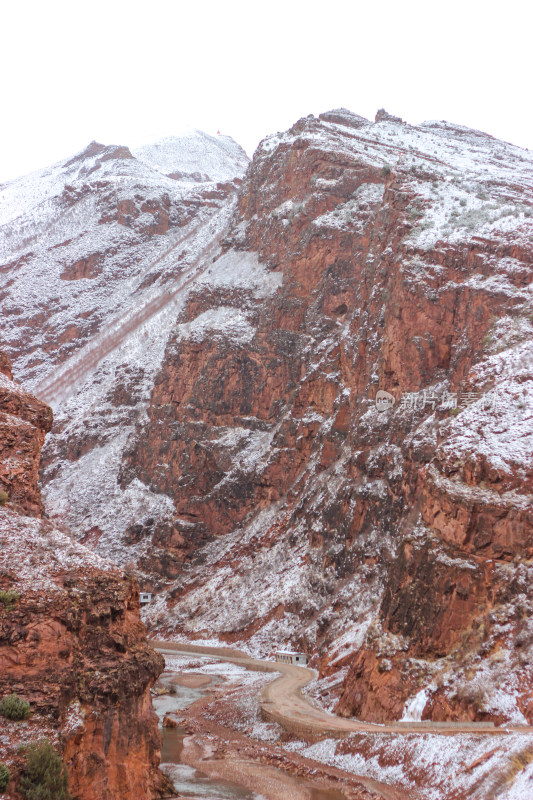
(106, 152)
(195, 155)
(342, 116)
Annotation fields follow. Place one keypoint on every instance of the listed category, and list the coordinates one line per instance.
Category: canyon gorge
(293, 400)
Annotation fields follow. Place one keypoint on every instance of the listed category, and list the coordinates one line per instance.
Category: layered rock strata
(393, 542)
(71, 639)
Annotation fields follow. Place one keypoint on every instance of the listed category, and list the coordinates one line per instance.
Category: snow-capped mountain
(97, 254)
(195, 156)
(213, 353)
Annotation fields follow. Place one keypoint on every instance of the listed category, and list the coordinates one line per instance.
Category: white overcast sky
(126, 72)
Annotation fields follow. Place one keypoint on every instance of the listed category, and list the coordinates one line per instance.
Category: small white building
(145, 597)
(288, 657)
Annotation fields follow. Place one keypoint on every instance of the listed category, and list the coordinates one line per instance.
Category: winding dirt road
(282, 701)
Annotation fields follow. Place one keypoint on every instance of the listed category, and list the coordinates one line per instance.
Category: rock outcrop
(71, 639)
(362, 258)
(243, 456)
(24, 422)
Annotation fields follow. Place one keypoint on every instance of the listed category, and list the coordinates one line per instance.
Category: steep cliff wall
(243, 456)
(71, 639)
(363, 257)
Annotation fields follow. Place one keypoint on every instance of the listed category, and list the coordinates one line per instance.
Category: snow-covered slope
(97, 255)
(196, 156)
(86, 239)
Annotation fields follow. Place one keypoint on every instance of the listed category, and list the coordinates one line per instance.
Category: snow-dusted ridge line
(63, 382)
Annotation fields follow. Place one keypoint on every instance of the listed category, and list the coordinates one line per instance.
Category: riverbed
(188, 781)
(196, 770)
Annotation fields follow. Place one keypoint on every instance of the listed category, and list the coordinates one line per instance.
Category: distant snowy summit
(195, 156)
(190, 158)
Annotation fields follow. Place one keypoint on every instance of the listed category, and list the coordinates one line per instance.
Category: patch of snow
(225, 320)
(241, 269)
(414, 706)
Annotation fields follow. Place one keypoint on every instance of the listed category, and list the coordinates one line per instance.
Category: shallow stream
(192, 783)
(187, 780)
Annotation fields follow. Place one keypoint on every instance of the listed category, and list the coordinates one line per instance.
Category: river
(192, 783)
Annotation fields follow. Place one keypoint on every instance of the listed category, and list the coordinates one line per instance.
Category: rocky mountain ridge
(229, 441)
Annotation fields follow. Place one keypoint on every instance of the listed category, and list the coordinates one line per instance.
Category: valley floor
(328, 754)
(228, 742)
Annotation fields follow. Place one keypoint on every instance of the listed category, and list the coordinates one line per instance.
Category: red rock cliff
(363, 257)
(72, 643)
(24, 422)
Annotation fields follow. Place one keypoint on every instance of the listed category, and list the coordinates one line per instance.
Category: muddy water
(188, 781)
(192, 783)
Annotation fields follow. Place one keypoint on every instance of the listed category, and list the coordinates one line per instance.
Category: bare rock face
(71, 639)
(223, 429)
(394, 542)
(24, 422)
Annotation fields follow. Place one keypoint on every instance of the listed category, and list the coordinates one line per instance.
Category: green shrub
(4, 497)
(45, 776)
(385, 170)
(5, 777)
(8, 597)
(14, 707)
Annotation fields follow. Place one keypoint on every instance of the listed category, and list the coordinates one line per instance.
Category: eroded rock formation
(363, 257)
(240, 457)
(71, 639)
